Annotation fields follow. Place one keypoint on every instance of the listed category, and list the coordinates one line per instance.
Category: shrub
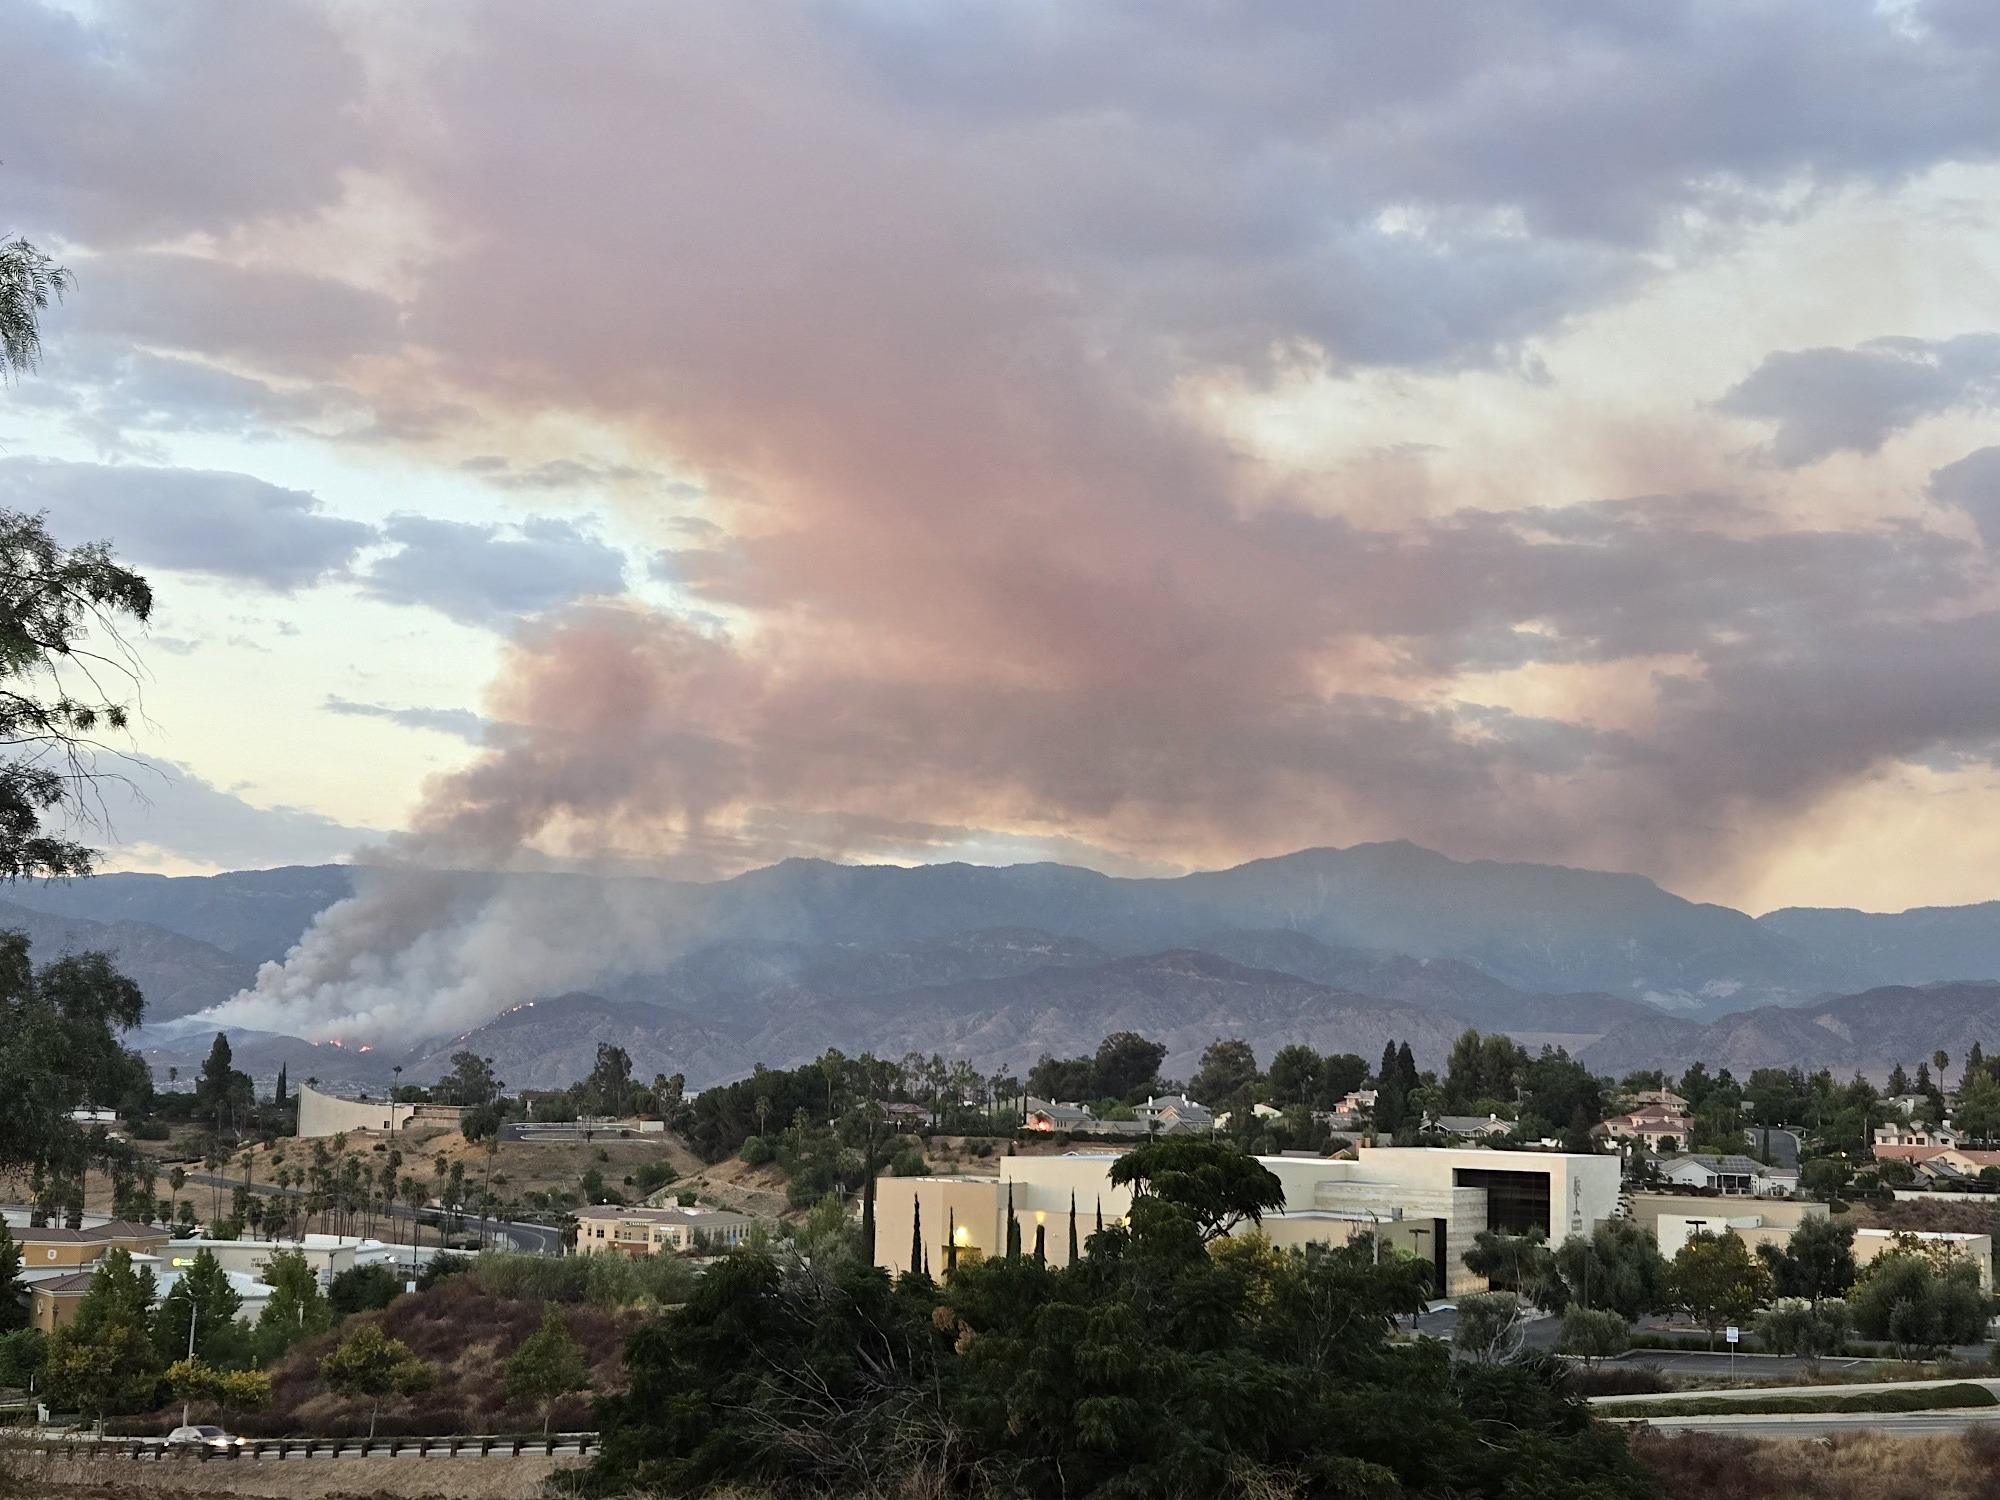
(758, 1152)
(438, 1267)
(364, 1289)
(1594, 1333)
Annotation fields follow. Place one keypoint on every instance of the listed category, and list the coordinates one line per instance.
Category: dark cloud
(492, 575)
(261, 315)
(1826, 401)
(1972, 485)
(135, 124)
(160, 804)
(566, 474)
(460, 723)
(224, 525)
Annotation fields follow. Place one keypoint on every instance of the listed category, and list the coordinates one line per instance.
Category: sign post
(1732, 1334)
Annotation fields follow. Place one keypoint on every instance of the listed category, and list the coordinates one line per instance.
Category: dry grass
(468, 1335)
(1865, 1466)
(293, 1479)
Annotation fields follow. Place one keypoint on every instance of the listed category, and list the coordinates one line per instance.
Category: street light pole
(193, 1306)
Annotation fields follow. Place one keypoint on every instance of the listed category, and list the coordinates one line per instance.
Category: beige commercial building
(650, 1231)
(1429, 1201)
(50, 1249)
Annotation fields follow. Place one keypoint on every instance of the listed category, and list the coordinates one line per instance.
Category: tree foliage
(548, 1365)
(1817, 1262)
(1715, 1280)
(1156, 1365)
(370, 1364)
(1214, 1187)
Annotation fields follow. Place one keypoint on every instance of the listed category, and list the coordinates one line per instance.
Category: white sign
(1732, 1333)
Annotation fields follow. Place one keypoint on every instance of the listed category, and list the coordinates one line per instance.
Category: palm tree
(1942, 1060)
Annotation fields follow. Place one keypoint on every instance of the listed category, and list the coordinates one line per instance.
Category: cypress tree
(278, 1098)
(1072, 1227)
(1013, 1227)
(1100, 1213)
(951, 1241)
(916, 1234)
(1041, 1244)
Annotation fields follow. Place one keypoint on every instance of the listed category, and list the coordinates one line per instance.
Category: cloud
(1972, 485)
(255, 314)
(224, 114)
(224, 525)
(1826, 401)
(156, 807)
(563, 474)
(492, 575)
(460, 723)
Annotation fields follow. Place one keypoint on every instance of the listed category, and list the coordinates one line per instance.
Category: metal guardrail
(555, 1445)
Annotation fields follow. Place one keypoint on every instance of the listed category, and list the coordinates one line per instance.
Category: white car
(202, 1439)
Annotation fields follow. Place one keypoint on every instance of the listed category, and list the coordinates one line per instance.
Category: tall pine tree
(916, 1234)
(1072, 1227)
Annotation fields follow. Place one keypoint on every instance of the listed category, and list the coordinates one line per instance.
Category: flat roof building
(1429, 1201)
(606, 1230)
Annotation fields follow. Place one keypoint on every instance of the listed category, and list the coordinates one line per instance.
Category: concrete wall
(322, 1114)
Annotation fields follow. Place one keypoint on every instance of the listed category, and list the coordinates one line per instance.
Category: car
(203, 1440)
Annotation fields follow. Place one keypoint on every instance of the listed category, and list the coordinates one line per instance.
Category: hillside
(177, 974)
(1868, 1033)
(1182, 998)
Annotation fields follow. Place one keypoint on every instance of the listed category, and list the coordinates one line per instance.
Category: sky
(1149, 436)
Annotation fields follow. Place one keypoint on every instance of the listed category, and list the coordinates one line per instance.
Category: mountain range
(1343, 948)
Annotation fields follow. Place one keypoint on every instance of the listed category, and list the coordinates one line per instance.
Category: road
(1766, 1392)
(1783, 1144)
(1830, 1424)
(535, 1239)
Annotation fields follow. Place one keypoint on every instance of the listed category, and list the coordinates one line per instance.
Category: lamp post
(193, 1307)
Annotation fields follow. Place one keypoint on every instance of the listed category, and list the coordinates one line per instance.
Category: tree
(1716, 1280)
(548, 1366)
(363, 1289)
(1482, 1071)
(53, 600)
(104, 1361)
(1805, 1330)
(370, 1364)
(608, 1090)
(1816, 1263)
(471, 1081)
(1592, 1334)
(1227, 1072)
(1520, 1263)
(223, 1091)
(13, 1311)
(191, 1380)
(1489, 1327)
(1618, 1267)
(28, 279)
(201, 1295)
(1977, 1113)
(1126, 1067)
(1824, 1177)
(1295, 1075)
(295, 1309)
(1899, 1081)
(59, 1050)
(1920, 1298)
(1214, 1185)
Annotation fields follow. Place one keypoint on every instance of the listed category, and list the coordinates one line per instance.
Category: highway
(1826, 1424)
(1609, 1404)
(535, 1239)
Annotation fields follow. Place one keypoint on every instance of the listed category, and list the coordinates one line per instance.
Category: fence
(563, 1444)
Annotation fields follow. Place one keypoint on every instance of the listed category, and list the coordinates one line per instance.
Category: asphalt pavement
(535, 1239)
(1828, 1424)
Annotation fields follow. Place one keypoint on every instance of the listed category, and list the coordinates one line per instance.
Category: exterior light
(961, 1236)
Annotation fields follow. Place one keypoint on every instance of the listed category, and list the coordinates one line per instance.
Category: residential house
(1728, 1174)
(1175, 1114)
(1258, 1111)
(1665, 1098)
(606, 1230)
(1656, 1126)
(1048, 1116)
(1898, 1131)
(1474, 1127)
